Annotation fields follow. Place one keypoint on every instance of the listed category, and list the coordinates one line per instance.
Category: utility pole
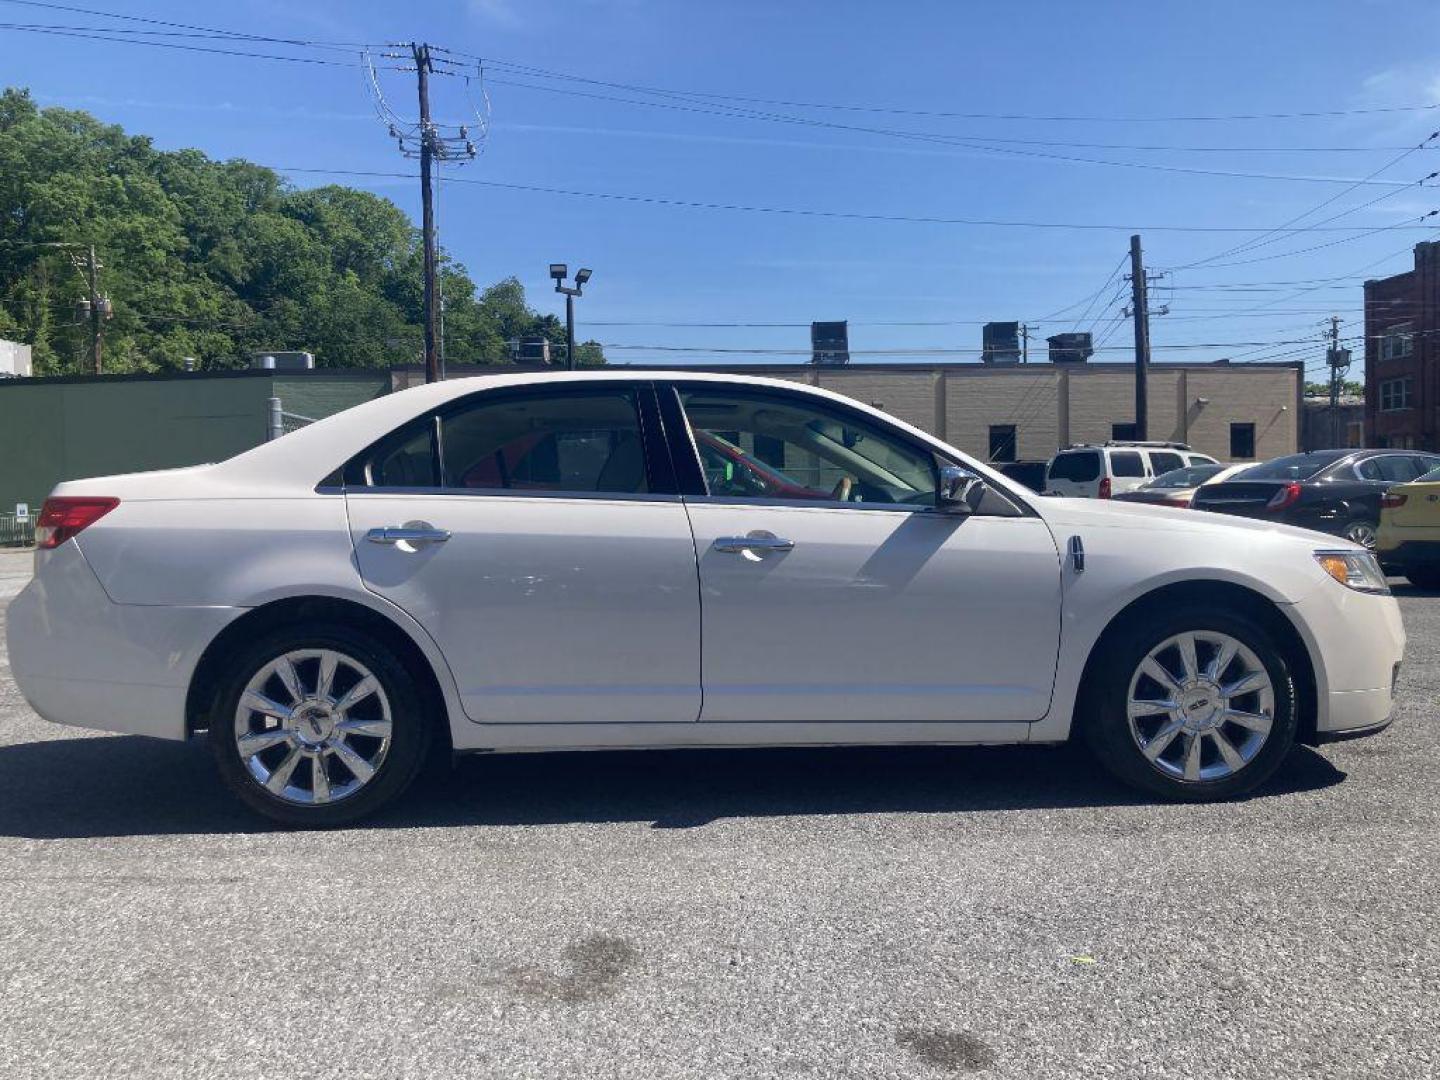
(1140, 303)
(1025, 342)
(426, 142)
(97, 316)
(1339, 361)
(421, 53)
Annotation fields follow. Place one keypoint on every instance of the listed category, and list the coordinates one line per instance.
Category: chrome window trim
(511, 493)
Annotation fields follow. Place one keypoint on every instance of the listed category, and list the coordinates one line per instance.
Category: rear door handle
(755, 541)
(412, 532)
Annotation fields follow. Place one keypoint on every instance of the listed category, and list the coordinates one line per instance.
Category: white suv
(1095, 471)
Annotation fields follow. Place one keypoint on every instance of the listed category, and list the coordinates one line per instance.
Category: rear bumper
(1407, 552)
(81, 659)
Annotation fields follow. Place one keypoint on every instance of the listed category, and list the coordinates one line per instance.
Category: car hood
(1105, 513)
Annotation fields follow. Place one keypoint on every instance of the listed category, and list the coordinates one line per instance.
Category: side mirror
(961, 491)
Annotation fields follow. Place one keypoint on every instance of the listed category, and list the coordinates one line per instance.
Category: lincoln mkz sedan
(622, 559)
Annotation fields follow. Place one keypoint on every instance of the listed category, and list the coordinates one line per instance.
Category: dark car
(1333, 491)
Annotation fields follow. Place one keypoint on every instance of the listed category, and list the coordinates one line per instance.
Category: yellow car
(1409, 538)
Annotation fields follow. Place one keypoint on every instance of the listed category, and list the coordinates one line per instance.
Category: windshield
(1430, 477)
(1191, 476)
(1293, 467)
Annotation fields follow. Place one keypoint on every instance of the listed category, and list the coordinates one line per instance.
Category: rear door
(844, 595)
(1127, 470)
(536, 534)
(1074, 473)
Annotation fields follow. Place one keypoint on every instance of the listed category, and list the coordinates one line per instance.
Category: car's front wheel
(1196, 704)
(318, 724)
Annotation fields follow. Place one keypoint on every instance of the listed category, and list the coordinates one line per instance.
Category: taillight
(1393, 500)
(1182, 501)
(1104, 487)
(1286, 496)
(64, 516)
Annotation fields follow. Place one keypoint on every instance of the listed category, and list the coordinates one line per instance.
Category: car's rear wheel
(1361, 532)
(1196, 704)
(318, 724)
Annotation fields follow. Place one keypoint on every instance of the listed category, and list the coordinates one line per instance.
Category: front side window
(584, 442)
(1394, 394)
(812, 453)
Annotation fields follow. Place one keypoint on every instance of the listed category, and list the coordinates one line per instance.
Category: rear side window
(1162, 461)
(578, 442)
(1126, 463)
(1079, 466)
(582, 442)
(1394, 468)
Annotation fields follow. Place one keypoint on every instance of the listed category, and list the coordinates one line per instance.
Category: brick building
(1402, 355)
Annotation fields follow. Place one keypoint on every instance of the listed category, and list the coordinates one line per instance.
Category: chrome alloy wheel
(1200, 706)
(313, 726)
(1362, 533)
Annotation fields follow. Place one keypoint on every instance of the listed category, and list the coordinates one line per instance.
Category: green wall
(321, 393)
(66, 429)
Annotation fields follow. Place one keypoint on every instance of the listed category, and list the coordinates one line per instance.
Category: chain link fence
(282, 422)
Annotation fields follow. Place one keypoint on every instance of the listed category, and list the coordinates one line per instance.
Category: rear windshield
(1191, 476)
(1293, 467)
(1081, 466)
(1126, 463)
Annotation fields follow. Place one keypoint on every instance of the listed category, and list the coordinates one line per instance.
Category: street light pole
(559, 271)
(570, 331)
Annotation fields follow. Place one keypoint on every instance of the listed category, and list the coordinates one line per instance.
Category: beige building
(1234, 412)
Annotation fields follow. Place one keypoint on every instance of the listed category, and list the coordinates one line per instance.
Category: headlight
(1358, 570)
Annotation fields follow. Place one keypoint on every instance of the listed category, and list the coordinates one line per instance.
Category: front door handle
(411, 533)
(755, 541)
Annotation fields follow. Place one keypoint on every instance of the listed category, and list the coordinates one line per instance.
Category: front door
(527, 535)
(833, 590)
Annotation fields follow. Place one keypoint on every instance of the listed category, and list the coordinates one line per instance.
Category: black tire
(1424, 577)
(1365, 530)
(411, 730)
(1105, 725)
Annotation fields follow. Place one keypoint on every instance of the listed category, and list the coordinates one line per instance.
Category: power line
(945, 140)
(173, 45)
(534, 72)
(236, 34)
(692, 204)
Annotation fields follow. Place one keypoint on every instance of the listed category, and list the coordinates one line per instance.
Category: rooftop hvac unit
(283, 361)
(830, 343)
(1000, 343)
(534, 350)
(1070, 348)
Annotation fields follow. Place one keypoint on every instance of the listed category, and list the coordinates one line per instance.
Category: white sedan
(644, 559)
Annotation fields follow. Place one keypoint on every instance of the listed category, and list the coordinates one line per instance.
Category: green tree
(217, 260)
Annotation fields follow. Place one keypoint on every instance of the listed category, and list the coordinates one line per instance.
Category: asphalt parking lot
(881, 913)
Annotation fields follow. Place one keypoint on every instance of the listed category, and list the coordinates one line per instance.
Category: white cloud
(500, 12)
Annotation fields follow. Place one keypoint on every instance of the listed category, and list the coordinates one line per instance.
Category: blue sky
(664, 264)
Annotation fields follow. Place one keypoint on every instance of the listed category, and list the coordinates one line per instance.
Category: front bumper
(81, 659)
(1356, 642)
